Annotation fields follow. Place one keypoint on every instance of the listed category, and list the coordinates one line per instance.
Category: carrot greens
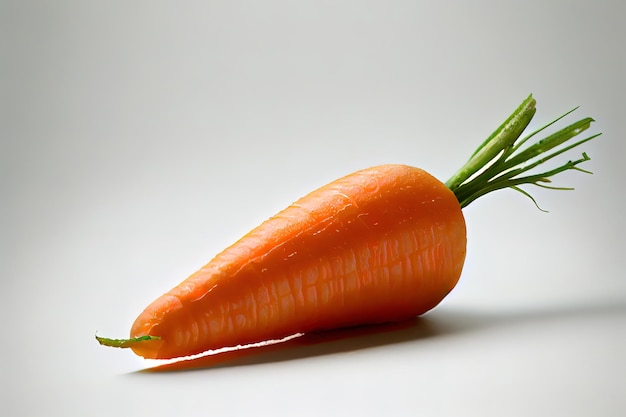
(500, 161)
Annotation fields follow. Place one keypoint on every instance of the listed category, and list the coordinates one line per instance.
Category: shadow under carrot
(308, 345)
(441, 323)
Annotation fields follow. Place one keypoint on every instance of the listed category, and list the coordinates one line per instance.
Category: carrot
(382, 244)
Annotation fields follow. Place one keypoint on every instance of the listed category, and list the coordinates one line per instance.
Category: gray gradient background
(140, 138)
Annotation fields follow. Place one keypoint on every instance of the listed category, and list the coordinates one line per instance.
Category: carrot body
(381, 244)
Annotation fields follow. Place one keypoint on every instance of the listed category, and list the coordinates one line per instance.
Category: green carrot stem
(499, 162)
(501, 138)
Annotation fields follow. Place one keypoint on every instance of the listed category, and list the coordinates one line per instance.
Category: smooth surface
(137, 140)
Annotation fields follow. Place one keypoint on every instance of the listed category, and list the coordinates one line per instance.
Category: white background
(140, 138)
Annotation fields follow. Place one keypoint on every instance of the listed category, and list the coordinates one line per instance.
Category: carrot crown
(501, 161)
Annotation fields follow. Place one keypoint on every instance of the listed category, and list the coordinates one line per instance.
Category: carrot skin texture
(382, 244)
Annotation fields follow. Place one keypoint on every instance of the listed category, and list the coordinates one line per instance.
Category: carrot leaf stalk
(124, 343)
(500, 161)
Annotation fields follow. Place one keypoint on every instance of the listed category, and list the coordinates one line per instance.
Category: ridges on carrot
(382, 244)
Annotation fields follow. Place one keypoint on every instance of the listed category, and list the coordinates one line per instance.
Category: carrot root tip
(125, 343)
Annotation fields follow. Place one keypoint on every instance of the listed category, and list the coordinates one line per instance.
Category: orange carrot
(354, 251)
(383, 244)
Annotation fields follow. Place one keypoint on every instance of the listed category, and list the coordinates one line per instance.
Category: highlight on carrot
(383, 244)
